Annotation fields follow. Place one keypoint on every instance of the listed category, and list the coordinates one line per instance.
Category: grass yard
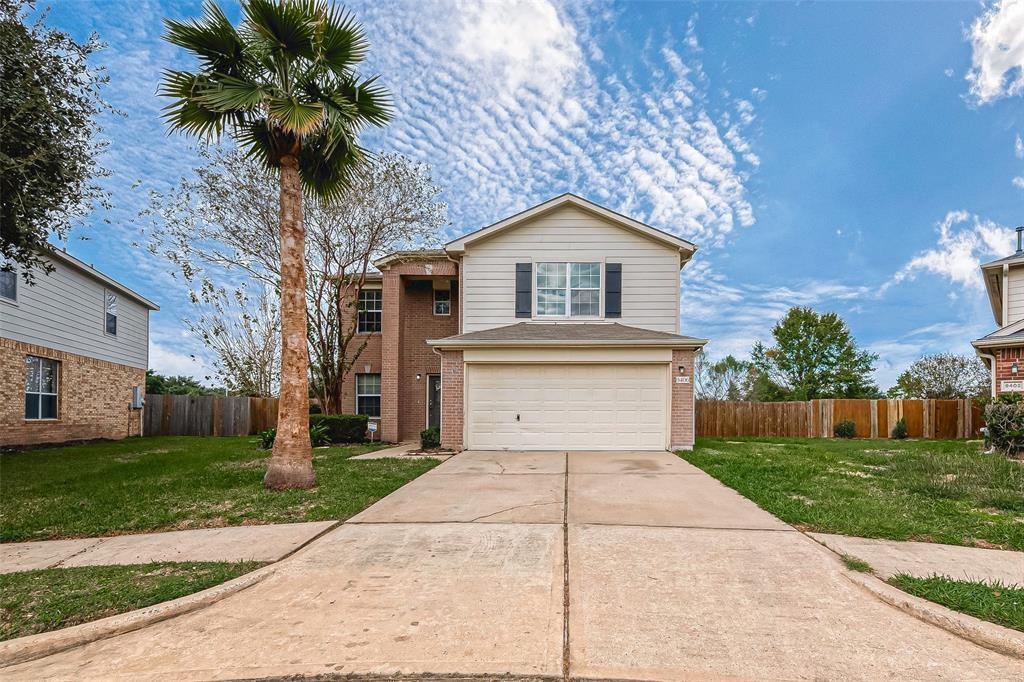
(177, 482)
(934, 491)
(993, 602)
(48, 599)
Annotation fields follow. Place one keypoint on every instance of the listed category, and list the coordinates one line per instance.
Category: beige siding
(64, 311)
(650, 271)
(1015, 291)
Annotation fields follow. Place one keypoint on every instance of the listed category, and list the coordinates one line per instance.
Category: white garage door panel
(566, 407)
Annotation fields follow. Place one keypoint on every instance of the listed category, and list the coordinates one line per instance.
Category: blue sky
(855, 157)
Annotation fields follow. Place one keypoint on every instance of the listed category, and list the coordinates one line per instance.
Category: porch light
(420, 376)
(1014, 368)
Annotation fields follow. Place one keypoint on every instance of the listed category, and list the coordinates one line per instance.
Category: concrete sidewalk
(237, 543)
(925, 559)
(600, 565)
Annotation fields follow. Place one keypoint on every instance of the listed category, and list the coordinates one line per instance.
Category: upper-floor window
(41, 376)
(370, 307)
(8, 283)
(568, 289)
(442, 301)
(110, 312)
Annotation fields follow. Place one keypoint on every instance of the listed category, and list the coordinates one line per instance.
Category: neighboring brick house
(74, 348)
(556, 328)
(1002, 351)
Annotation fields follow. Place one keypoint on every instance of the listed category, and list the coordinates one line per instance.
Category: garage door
(566, 407)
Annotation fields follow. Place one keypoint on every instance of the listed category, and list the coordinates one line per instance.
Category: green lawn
(993, 602)
(170, 483)
(934, 491)
(48, 599)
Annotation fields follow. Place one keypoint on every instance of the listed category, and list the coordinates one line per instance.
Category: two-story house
(1003, 350)
(554, 329)
(74, 348)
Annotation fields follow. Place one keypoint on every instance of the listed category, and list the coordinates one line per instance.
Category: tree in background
(49, 138)
(286, 88)
(943, 376)
(158, 384)
(245, 336)
(814, 356)
(222, 226)
(727, 379)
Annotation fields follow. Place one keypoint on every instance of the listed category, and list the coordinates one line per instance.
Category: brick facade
(452, 392)
(682, 421)
(1005, 359)
(93, 401)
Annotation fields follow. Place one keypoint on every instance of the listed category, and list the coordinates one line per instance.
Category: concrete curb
(988, 635)
(44, 644)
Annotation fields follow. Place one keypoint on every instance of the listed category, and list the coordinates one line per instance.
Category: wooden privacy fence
(207, 415)
(817, 418)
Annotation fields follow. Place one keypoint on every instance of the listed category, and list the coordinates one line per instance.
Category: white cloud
(1018, 182)
(964, 240)
(997, 41)
(165, 361)
(1018, 147)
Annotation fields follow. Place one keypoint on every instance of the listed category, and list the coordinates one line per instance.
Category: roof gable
(685, 248)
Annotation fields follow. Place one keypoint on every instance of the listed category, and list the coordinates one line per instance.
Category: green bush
(900, 430)
(430, 438)
(318, 435)
(267, 438)
(1005, 427)
(342, 428)
(315, 409)
(845, 429)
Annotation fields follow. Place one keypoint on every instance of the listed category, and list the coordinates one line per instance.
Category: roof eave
(566, 343)
(998, 342)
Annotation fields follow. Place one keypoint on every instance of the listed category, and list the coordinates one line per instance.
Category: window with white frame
(41, 377)
(370, 310)
(442, 301)
(110, 312)
(368, 395)
(568, 289)
(8, 283)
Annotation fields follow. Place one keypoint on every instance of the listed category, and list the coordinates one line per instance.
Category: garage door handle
(517, 417)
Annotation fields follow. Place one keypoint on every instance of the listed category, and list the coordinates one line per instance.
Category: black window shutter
(524, 289)
(613, 289)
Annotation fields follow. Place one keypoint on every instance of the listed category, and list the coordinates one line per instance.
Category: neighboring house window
(568, 289)
(368, 394)
(110, 313)
(41, 376)
(442, 301)
(370, 310)
(9, 284)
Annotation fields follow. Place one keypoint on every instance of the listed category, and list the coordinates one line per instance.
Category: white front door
(566, 407)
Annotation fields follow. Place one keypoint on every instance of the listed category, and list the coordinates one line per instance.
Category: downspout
(989, 360)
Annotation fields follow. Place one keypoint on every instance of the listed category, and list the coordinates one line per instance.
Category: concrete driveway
(664, 574)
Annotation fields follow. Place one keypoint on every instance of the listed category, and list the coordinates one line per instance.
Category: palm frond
(187, 113)
(212, 38)
(235, 94)
(295, 116)
(286, 27)
(325, 169)
(371, 101)
(343, 43)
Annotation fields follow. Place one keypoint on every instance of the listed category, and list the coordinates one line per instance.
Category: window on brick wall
(442, 301)
(368, 395)
(370, 307)
(41, 377)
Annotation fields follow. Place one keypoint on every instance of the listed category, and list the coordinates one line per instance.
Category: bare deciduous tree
(942, 376)
(222, 226)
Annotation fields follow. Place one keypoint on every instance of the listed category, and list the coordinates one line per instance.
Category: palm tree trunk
(291, 464)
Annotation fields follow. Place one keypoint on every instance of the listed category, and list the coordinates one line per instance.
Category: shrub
(845, 429)
(315, 409)
(342, 428)
(318, 435)
(267, 438)
(900, 430)
(1005, 424)
(430, 438)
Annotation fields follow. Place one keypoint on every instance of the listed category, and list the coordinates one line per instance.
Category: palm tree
(284, 85)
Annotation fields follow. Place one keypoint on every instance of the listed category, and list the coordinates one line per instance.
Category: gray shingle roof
(529, 333)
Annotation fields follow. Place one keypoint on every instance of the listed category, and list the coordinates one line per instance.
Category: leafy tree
(49, 100)
(285, 86)
(158, 384)
(221, 226)
(814, 356)
(943, 376)
(727, 379)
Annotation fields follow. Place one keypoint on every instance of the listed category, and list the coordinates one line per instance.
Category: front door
(434, 401)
